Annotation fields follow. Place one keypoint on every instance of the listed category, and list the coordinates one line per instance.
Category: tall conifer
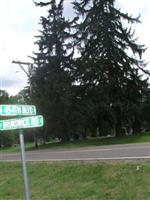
(53, 75)
(110, 56)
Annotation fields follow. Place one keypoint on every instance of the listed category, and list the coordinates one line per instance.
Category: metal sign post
(24, 168)
(21, 123)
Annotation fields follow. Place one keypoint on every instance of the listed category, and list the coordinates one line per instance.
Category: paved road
(111, 152)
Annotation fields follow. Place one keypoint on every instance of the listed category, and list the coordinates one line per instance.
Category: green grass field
(98, 141)
(145, 137)
(77, 181)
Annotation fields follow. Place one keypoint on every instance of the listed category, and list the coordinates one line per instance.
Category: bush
(7, 138)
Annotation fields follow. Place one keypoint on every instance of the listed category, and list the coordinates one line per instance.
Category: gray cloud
(12, 83)
(7, 82)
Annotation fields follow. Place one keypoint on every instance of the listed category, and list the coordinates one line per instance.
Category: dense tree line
(89, 71)
(89, 77)
(6, 137)
(9, 138)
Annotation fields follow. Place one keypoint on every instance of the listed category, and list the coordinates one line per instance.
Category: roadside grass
(77, 181)
(139, 138)
(16, 148)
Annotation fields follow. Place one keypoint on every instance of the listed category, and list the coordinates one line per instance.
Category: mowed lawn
(77, 181)
(97, 141)
(139, 138)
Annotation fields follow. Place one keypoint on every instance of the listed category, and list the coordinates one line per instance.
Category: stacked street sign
(20, 122)
(7, 110)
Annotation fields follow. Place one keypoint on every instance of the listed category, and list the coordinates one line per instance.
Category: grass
(99, 141)
(139, 138)
(77, 181)
(15, 148)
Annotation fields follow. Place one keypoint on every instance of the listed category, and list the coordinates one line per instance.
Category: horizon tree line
(90, 72)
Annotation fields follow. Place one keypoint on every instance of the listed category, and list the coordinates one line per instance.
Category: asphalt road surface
(109, 152)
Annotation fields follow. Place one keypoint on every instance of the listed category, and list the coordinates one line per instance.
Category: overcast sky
(19, 24)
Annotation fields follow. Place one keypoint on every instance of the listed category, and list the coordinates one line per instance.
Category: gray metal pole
(24, 169)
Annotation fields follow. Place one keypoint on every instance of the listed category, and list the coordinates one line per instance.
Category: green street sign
(13, 110)
(20, 123)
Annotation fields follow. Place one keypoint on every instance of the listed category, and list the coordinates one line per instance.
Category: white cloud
(142, 31)
(19, 24)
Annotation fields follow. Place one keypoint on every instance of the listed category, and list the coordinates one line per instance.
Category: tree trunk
(35, 140)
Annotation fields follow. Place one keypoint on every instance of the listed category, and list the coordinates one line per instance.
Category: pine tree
(110, 58)
(53, 76)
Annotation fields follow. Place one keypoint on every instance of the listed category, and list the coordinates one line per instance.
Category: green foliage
(105, 63)
(100, 91)
(53, 74)
(7, 138)
(4, 97)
